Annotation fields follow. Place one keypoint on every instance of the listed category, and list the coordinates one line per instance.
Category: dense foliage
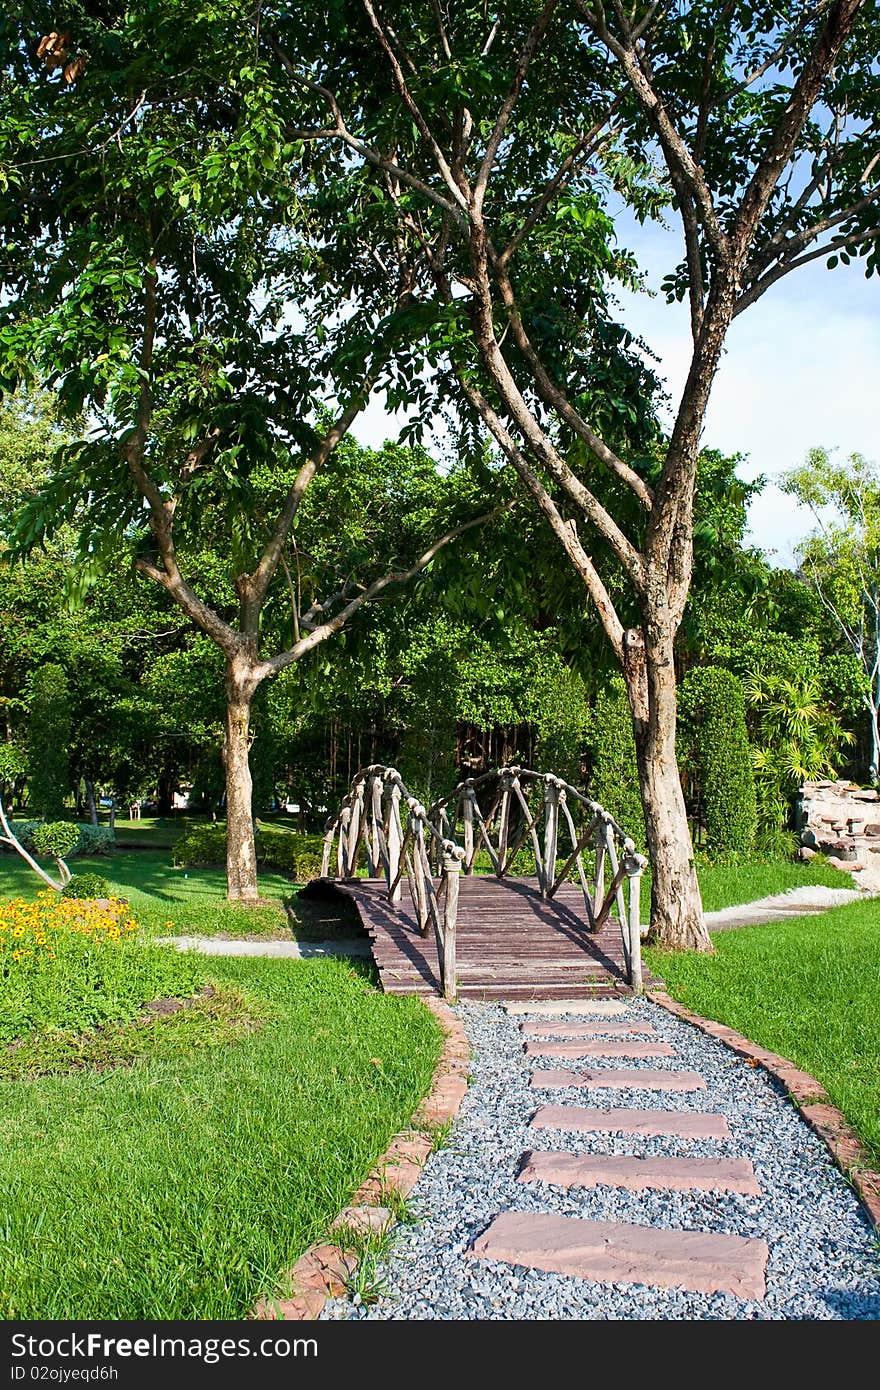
(614, 779)
(713, 733)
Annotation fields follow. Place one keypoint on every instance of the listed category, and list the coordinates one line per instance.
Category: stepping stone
(572, 1029)
(630, 1079)
(685, 1124)
(640, 1174)
(556, 1008)
(621, 1253)
(632, 1049)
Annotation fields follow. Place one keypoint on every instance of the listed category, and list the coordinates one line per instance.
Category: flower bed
(69, 964)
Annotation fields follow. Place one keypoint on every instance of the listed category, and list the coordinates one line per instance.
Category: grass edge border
(807, 1095)
(325, 1269)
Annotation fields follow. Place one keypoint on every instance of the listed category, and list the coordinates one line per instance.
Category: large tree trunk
(91, 802)
(676, 906)
(241, 853)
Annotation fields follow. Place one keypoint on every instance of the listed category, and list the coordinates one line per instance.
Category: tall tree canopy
(170, 272)
(500, 140)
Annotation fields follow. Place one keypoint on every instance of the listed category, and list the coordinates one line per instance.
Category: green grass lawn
(185, 1185)
(192, 899)
(807, 988)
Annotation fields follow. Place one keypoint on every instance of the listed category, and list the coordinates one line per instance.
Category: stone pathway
(293, 950)
(658, 1175)
(797, 902)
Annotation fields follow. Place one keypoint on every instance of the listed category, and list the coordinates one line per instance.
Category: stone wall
(842, 820)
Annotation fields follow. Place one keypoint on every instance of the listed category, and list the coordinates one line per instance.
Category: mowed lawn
(184, 1185)
(167, 900)
(808, 988)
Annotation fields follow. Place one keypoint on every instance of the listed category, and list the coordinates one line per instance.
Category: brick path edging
(323, 1271)
(806, 1093)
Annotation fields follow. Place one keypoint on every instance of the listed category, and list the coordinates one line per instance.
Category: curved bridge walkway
(437, 924)
(511, 943)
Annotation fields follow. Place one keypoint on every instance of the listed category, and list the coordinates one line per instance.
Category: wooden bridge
(437, 924)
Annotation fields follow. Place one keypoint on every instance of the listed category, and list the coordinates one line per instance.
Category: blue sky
(801, 367)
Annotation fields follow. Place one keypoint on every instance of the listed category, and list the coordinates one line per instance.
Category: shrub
(56, 837)
(717, 754)
(91, 839)
(614, 781)
(290, 853)
(282, 850)
(87, 886)
(201, 845)
(65, 964)
(23, 830)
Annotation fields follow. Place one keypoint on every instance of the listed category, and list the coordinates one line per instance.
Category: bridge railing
(543, 812)
(381, 821)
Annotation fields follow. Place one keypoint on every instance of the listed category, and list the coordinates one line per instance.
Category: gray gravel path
(824, 1261)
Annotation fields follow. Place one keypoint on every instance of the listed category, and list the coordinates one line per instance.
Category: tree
(841, 560)
(171, 277)
(498, 140)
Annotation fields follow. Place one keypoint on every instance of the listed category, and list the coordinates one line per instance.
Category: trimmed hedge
(614, 781)
(282, 850)
(92, 839)
(717, 754)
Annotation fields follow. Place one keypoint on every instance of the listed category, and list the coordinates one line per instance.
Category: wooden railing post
(342, 844)
(551, 835)
(327, 851)
(395, 840)
(599, 893)
(451, 871)
(354, 829)
(467, 814)
(635, 866)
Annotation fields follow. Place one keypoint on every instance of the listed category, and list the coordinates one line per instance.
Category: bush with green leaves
(91, 839)
(299, 856)
(282, 850)
(200, 847)
(614, 780)
(94, 839)
(87, 886)
(56, 837)
(715, 752)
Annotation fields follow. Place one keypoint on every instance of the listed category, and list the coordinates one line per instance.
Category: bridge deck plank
(510, 943)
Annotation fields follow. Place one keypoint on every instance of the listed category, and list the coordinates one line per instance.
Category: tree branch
(333, 625)
(459, 194)
(805, 93)
(565, 531)
(761, 286)
(256, 584)
(532, 43)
